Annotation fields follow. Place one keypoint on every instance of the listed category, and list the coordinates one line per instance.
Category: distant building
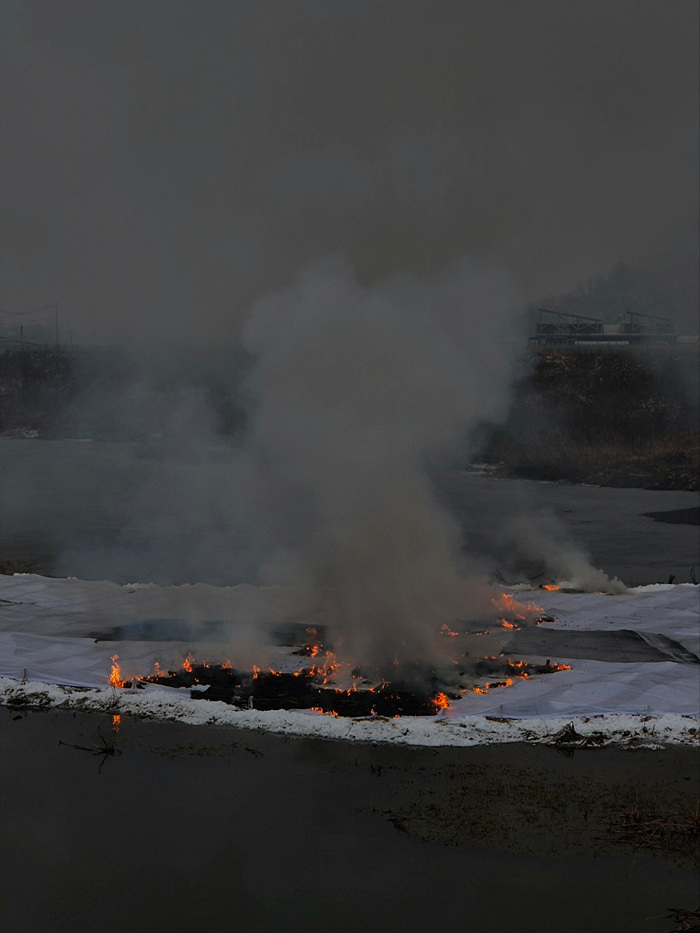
(558, 328)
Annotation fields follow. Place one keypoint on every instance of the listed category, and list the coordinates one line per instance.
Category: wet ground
(166, 827)
(611, 525)
(118, 511)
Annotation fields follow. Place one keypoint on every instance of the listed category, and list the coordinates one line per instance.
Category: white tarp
(48, 628)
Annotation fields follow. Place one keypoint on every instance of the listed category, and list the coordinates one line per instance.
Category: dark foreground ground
(176, 828)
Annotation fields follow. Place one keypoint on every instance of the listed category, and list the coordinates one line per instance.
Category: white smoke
(564, 561)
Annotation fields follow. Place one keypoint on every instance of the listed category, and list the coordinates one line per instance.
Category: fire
(320, 709)
(116, 723)
(115, 675)
(326, 670)
(226, 666)
(187, 663)
(447, 631)
(550, 586)
(313, 646)
(484, 688)
(506, 624)
(440, 701)
(508, 603)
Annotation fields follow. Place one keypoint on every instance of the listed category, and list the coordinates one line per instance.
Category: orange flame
(440, 701)
(187, 663)
(116, 723)
(517, 610)
(447, 631)
(326, 670)
(550, 586)
(320, 709)
(115, 675)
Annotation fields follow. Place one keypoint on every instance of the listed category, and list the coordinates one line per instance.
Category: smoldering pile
(301, 689)
(406, 688)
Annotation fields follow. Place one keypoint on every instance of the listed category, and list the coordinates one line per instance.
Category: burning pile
(307, 688)
(326, 685)
(297, 690)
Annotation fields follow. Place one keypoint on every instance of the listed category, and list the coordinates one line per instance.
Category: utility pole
(55, 312)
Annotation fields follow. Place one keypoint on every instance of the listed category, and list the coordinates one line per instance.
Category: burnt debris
(299, 690)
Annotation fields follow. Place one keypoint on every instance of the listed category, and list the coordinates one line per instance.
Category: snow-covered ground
(49, 656)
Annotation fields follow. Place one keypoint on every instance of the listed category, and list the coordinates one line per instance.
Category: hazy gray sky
(164, 162)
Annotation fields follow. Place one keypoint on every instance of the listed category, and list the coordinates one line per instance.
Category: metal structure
(561, 328)
(37, 328)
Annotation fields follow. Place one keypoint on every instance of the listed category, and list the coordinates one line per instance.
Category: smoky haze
(165, 163)
(362, 195)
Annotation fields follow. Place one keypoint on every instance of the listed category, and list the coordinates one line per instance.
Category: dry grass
(687, 921)
(671, 462)
(612, 419)
(670, 831)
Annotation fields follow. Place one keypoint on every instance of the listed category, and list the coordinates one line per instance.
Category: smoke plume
(357, 390)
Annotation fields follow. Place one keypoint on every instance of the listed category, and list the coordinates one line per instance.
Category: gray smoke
(357, 390)
(539, 537)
